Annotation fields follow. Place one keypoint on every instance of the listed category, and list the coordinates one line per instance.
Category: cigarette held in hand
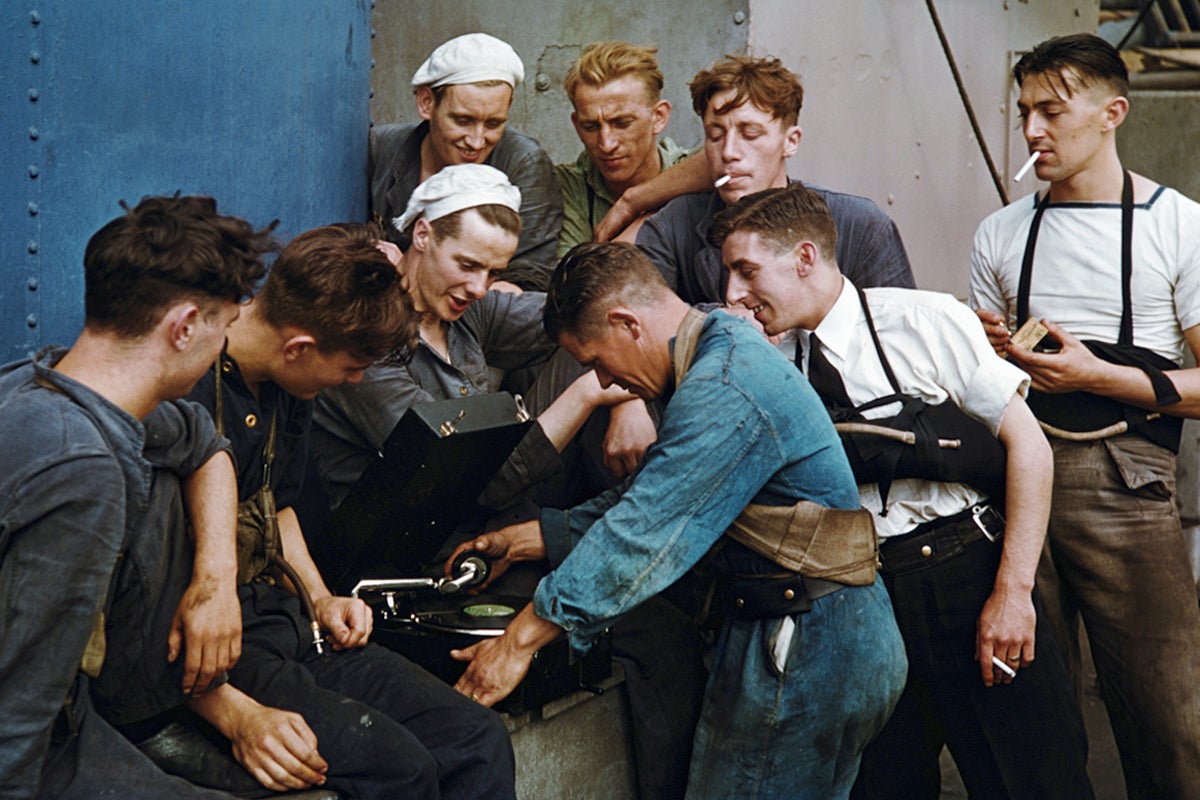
(721, 181)
(1005, 668)
(1032, 160)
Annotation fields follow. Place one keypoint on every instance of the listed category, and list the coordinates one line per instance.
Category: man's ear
(296, 346)
(624, 318)
(425, 102)
(1115, 111)
(422, 232)
(662, 115)
(806, 254)
(791, 140)
(181, 321)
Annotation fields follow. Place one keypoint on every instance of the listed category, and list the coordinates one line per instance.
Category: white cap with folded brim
(471, 58)
(458, 187)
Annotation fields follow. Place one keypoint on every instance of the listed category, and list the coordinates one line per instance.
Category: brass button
(740, 603)
(251, 420)
(463, 390)
(788, 594)
(226, 366)
(926, 551)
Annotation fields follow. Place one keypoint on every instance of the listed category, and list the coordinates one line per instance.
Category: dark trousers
(1024, 739)
(388, 728)
(660, 650)
(97, 761)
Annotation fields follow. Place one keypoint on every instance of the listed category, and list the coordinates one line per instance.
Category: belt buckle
(977, 513)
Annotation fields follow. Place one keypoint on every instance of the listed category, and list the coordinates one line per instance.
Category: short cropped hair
(335, 284)
(165, 250)
(591, 278)
(783, 217)
(763, 81)
(602, 62)
(1091, 58)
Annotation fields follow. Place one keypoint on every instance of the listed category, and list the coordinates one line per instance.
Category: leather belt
(775, 594)
(932, 543)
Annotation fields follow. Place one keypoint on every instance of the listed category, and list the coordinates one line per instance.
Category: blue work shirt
(79, 516)
(742, 427)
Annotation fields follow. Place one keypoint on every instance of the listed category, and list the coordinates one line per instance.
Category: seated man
(748, 471)
(960, 577)
(331, 304)
(750, 109)
(464, 91)
(616, 91)
(83, 505)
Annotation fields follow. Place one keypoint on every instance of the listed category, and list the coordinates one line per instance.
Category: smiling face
(455, 271)
(618, 123)
(465, 122)
(1068, 122)
(748, 144)
(768, 282)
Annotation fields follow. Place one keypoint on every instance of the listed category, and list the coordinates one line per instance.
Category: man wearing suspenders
(1110, 264)
(890, 363)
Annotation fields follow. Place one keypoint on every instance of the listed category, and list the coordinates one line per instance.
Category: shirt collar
(837, 328)
(591, 173)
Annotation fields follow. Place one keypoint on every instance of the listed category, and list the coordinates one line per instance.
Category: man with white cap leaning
(463, 93)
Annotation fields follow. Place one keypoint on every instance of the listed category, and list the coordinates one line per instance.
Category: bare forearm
(210, 494)
(295, 550)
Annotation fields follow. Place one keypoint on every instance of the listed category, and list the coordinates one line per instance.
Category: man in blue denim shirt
(801, 681)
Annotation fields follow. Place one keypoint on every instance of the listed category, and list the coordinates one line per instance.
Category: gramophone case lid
(422, 487)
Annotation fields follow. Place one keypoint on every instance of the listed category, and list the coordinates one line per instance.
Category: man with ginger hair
(750, 108)
(616, 91)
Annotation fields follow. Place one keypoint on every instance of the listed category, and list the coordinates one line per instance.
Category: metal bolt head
(543, 82)
(35, 18)
(33, 284)
(31, 320)
(32, 246)
(739, 17)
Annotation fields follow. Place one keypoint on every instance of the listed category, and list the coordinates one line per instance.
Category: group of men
(861, 465)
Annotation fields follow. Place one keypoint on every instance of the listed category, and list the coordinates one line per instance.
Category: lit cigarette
(721, 181)
(1032, 160)
(1005, 668)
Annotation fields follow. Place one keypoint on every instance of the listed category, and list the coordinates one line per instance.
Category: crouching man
(749, 472)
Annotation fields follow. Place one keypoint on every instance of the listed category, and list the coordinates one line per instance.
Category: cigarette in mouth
(721, 181)
(1032, 160)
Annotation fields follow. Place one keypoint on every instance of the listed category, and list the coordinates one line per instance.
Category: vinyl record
(478, 615)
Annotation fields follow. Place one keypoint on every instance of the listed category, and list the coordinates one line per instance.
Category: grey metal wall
(262, 105)
(549, 35)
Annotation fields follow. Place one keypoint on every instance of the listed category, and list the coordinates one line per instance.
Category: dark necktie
(826, 380)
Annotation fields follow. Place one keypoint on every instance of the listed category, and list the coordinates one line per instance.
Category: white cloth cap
(458, 187)
(471, 58)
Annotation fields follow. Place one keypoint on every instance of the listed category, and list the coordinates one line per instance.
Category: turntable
(384, 540)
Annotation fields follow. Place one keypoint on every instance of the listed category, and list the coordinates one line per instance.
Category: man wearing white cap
(460, 228)
(463, 93)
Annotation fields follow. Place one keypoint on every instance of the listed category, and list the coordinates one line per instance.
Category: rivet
(33, 209)
(34, 133)
(372, 31)
(371, 94)
(31, 320)
(891, 199)
(32, 246)
(788, 594)
(33, 284)
(34, 171)
(372, 63)
(35, 17)
(739, 17)
(926, 551)
(33, 95)
(543, 82)
(35, 56)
